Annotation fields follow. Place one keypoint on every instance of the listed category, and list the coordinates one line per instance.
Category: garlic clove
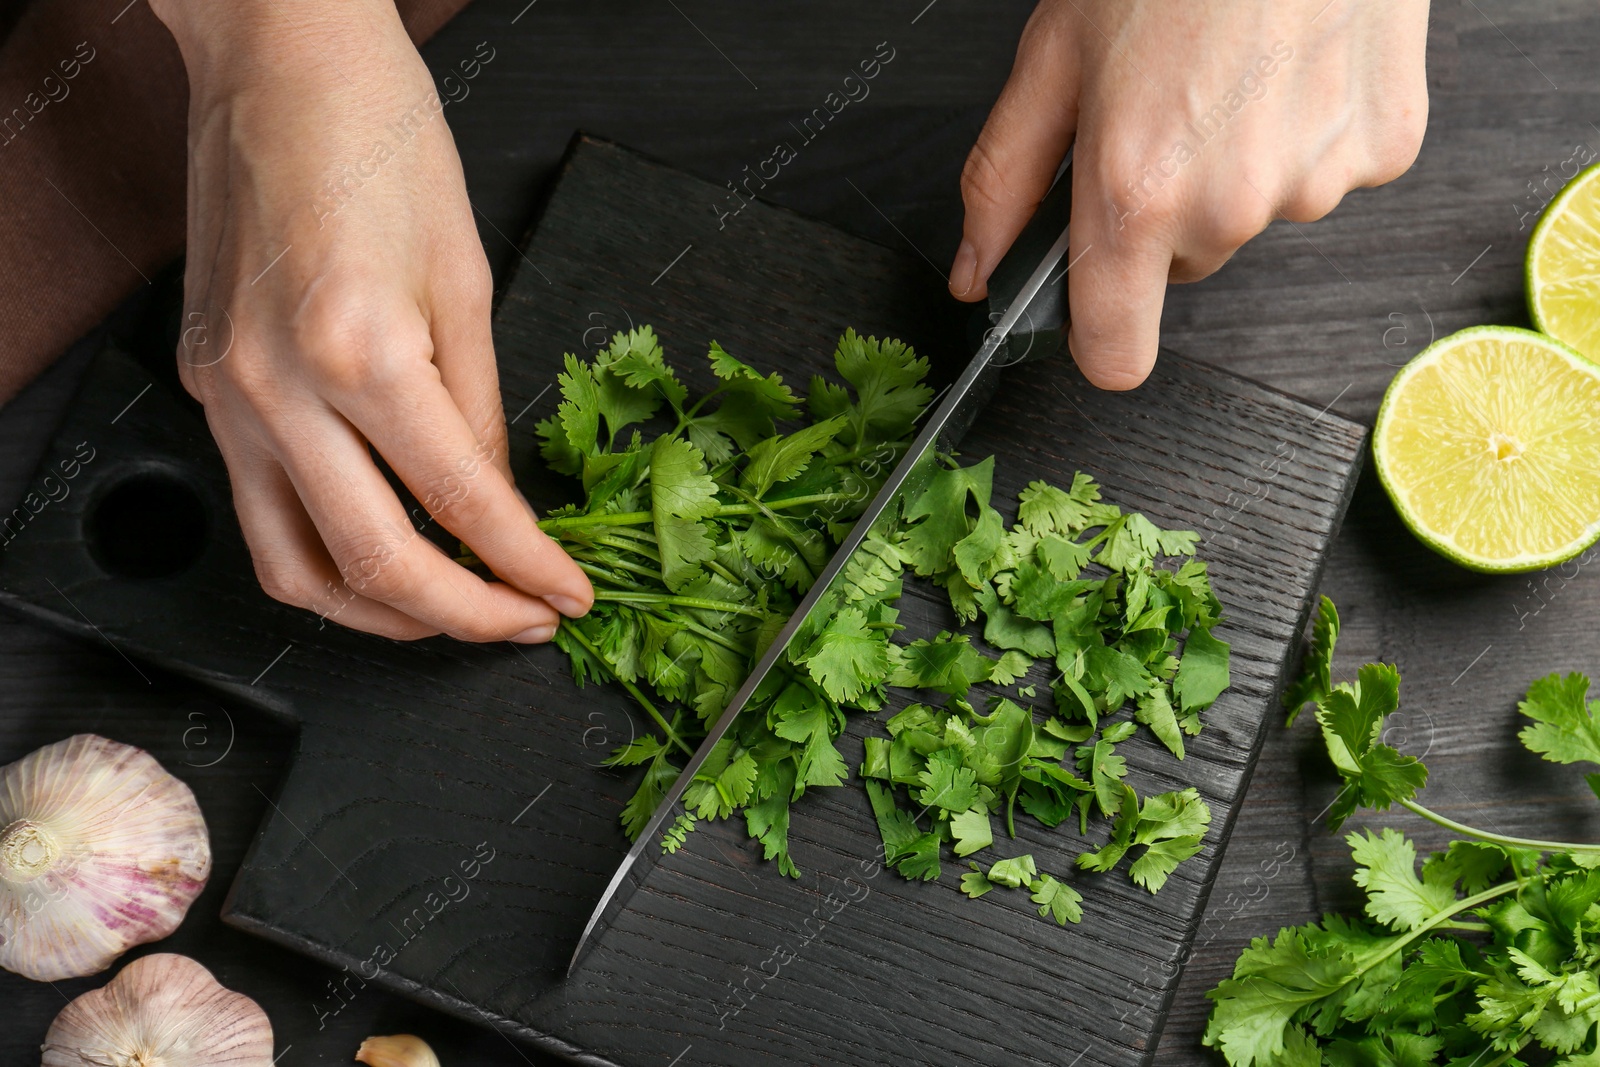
(100, 850)
(160, 1011)
(396, 1050)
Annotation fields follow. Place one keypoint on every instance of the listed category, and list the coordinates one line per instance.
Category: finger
(375, 548)
(1017, 153)
(464, 354)
(1117, 282)
(451, 471)
(290, 560)
(1228, 212)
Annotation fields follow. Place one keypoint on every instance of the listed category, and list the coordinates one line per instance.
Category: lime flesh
(1488, 442)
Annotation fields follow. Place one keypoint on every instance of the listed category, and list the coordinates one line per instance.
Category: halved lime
(1563, 265)
(1488, 442)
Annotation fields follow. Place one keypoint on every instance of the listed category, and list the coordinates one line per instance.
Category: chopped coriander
(704, 520)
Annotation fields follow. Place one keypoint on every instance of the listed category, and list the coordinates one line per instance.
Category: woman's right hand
(338, 300)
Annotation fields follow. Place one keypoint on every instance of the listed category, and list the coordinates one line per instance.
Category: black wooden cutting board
(445, 829)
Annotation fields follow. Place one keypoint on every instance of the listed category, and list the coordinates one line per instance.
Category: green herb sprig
(1487, 953)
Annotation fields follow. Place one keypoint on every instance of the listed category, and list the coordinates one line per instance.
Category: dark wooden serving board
(445, 829)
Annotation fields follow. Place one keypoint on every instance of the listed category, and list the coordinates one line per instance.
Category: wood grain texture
(443, 830)
(1279, 312)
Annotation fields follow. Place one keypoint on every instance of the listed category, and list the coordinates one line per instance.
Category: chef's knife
(1030, 326)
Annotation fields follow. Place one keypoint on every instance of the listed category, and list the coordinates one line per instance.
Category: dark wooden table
(1326, 311)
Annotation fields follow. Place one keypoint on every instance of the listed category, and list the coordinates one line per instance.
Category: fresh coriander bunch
(1488, 955)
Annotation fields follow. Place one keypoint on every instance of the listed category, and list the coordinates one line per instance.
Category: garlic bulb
(396, 1050)
(160, 1011)
(100, 850)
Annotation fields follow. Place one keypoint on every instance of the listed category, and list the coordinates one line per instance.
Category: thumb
(1018, 151)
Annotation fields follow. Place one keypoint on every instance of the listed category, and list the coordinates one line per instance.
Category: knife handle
(1043, 328)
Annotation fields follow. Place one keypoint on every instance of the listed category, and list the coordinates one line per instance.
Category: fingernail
(568, 606)
(964, 271)
(535, 635)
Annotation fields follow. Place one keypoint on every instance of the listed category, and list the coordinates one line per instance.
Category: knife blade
(1034, 310)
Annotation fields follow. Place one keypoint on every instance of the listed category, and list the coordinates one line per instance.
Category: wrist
(228, 42)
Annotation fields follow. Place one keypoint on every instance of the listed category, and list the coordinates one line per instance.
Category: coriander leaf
(672, 837)
(1176, 542)
(975, 883)
(887, 376)
(1564, 728)
(1015, 872)
(1011, 666)
(1154, 709)
(801, 717)
(780, 459)
(1130, 542)
(1117, 674)
(1203, 671)
(1150, 870)
(637, 751)
(1386, 869)
(579, 411)
(740, 378)
(1064, 560)
(633, 374)
(983, 552)
(1105, 770)
(1044, 509)
(1253, 1022)
(947, 664)
(972, 831)
(1475, 864)
(947, 783)
(767, 820)
(1057, 900)
(1170, 826)
(874, 569)
(680, 486)
(1352, 717)
(1038, 594)
(1315, 680)
(895, 826)
(658, 777)
(848, 658)
(939, 514)
(921, 859)
(1002, 745)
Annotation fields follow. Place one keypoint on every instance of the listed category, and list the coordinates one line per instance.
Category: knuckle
(373, 568)
(1238, 218)
(1398, 146)
(282, 583)
(355, 347)
(459, 499)
(983, 183)
(1313, 201)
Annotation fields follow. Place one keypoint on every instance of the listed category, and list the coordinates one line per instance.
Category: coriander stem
(1466, 927)
(1507, 1054)
(672, 735)
(640, 518)
(596, 570)
(668, 599)
(713, 636)
(1498, 839)
(1464, 904)
(637, 547)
